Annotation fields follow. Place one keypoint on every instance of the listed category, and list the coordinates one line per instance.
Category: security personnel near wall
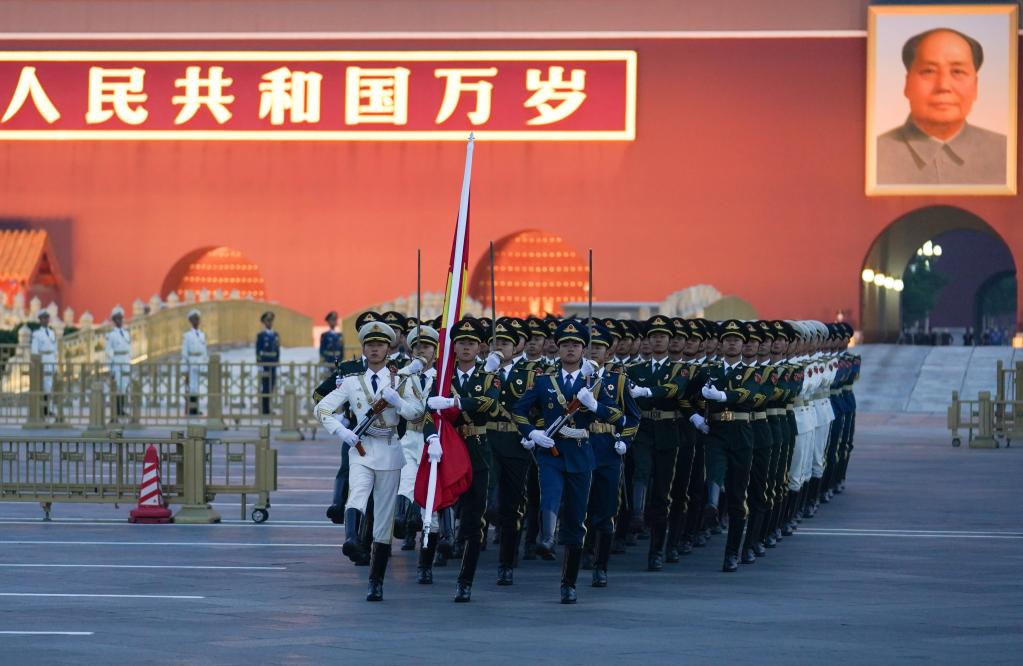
(44, 344)
(377, 473)
(609, 443)
(565, 475)
(268, 355)
(727, 387)
(659, 383)
(118, 351)
(331, 343)
(194, 357)
(474, 394)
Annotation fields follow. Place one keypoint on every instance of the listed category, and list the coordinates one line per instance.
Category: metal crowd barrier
(107, 468)
(229, 395)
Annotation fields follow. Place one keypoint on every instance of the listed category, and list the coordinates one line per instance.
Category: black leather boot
(400, 509)
(506, 558)
(710, 509)
(752, 548)
(602, 548)
(470, 558)
(352, 547)
(366, 534)
(424, 572)
(545, 544)
(381, 552)
(655, 556)
(736, 526)
(570, 572)
(446, 524)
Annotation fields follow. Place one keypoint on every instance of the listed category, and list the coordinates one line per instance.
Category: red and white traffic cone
(151, 508)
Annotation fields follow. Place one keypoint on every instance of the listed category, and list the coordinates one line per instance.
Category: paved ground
(919, 560)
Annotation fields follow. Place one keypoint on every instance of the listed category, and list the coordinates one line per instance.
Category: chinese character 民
(121, 89)
(296, 92)
(214, 99)
(376, 95)
(29, 86)
(555, 88)
(455, 86)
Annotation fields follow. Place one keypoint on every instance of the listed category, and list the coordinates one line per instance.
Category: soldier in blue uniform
(610, 443)
(534, 349)
(566, 474)
(268, 355)
(331, 343)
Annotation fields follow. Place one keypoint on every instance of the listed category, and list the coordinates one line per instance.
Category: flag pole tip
(472, 136)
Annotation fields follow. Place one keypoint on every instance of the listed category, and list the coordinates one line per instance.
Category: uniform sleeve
(629, 425)
(109, 350)
(325, 410)
(184, 348)
(485, 403)
(413, 406)
(607, 409)
(524, 406)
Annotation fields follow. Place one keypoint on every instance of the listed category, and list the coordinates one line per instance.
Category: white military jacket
(193, 347)
(44, 343)
(383, 449)
(118, 346)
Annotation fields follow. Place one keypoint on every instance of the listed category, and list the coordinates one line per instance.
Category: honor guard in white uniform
(375, 465)
(118, 349)
(194, 357)
(423, 341)
(44, 344)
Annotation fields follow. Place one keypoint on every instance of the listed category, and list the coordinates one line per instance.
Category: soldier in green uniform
(727, 387)
(693, 356)
(758, 503)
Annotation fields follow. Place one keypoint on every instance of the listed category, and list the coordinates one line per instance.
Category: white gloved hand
(347, 436)
(431, 373)
(413, 368)
(493, 362)
(337, 381)
(392, 397)
(587, 369)
(700, 423)
(640, 392)
(433, 451)
(585, 396)
(528, 444)
(540, 439)
(573, 433)
(620, 447)
(711, 393)
(437, 403)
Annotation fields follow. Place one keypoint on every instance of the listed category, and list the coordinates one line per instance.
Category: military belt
(847, 389)
(502, 426)
(601, 428)
(472, 430)
(759, 416)
(790, 408)
(659, 415)
(836, 391)
(798, 402)
(730, 416)
(416, 427)
(776, 411)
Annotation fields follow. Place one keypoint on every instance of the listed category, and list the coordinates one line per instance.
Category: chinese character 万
(555, 88)
(29, 86)
(121, 89)
(376, 95)
(215, 99)
(297, 92)
(454, 87)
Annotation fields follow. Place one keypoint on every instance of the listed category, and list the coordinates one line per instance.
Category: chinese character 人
(29, 86)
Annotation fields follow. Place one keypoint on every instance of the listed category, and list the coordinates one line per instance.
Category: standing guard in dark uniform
(331, 343)
(268, 355)
(567, 473)
(757, 499)
(657, 391)
(474, 394)
(727, 387)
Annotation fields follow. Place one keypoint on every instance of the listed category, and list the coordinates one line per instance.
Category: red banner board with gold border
(318, 95)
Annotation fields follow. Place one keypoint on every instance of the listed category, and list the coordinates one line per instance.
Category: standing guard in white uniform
(118, 350)
(376, 458)
(194, 357)
(44, 344)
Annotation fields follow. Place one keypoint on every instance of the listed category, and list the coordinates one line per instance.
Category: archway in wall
(535, 272)
(215, 268)
(971, 251)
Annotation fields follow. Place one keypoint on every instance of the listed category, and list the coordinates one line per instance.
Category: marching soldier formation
(595, 435)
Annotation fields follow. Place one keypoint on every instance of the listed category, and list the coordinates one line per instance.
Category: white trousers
(194, 378)
(802, 454)
(121, 373)
(383, 484)
(820, 445)
(412, 449)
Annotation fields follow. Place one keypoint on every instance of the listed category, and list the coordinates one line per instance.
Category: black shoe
(700, 541)
(336, 514)
(748, 556)
(424, 576)
(771, 541)
(686, 547)
(671, 557)
(463, 593)
(788, 530)
(381, 552)
(569, 572)
(440, 560)
(546, 551)
(655, 562)
(410, 541)
(505, 576)
(568, 594)
(352, 548)
(529, 551)
(599, 577)
(587, 561)
(376, 591)
(759, 550)
(400, 511)
(731, 564)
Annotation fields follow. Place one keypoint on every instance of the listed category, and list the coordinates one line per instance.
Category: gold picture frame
(910, 163)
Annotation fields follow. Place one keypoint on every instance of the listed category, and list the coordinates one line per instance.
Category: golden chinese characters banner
(333, 96)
